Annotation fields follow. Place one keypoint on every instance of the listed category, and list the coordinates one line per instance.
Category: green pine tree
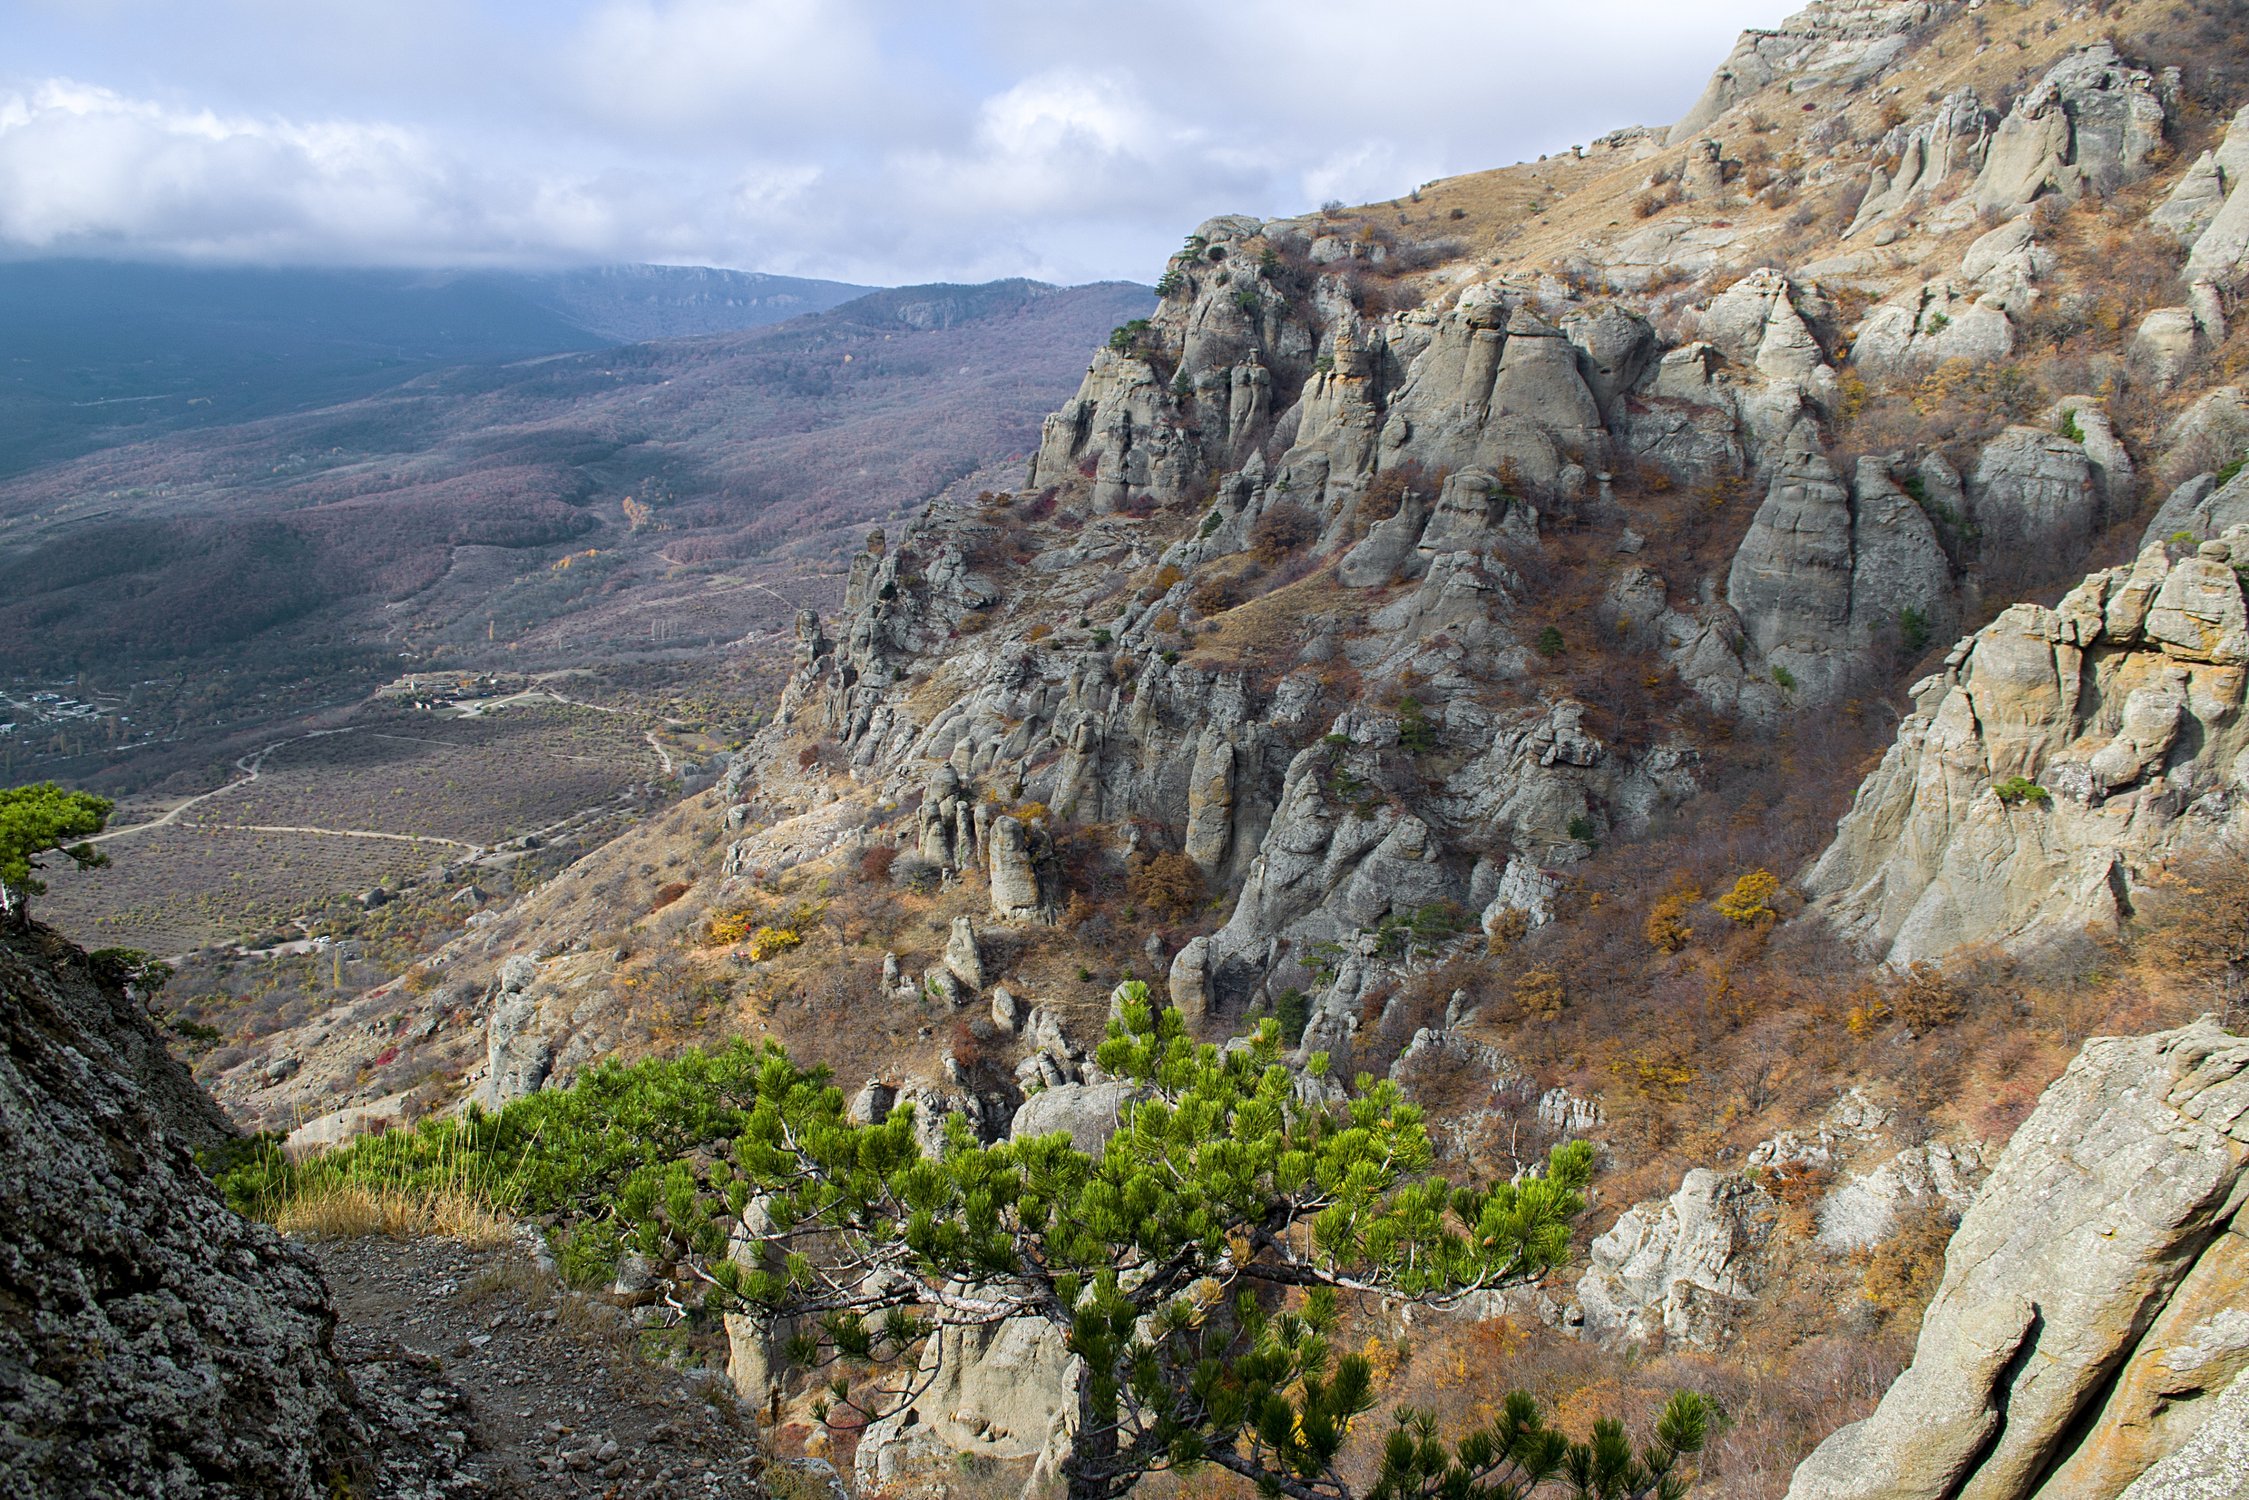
(1161, 1260)
(39, 820)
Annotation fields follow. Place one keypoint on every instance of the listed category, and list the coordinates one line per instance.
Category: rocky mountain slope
(1453, 627)
(153, 1342)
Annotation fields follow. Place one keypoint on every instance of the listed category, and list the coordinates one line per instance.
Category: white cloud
(793, 65)
(870, 139)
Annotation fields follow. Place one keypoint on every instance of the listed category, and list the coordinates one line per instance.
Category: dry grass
(350, 1210)
(1265, 631)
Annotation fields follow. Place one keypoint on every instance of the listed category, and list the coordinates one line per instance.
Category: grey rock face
(1862, 1211)
(1825, 572)
(1679, 1266)
(2034, 490)
(519, 1056)
(151, 1340)
(2208, 1465)
(1842, 42)
(2219, 232)
(2202, 509)
(2195, 201)
(1937, 322)
(2124, 702)
(1003, 1391)
(1014, 876)
(2112, 1202)
(1950, 143)
(963, 959)
(1188, 981)
(2090, 125)
(2164, 344)
(1791, 577)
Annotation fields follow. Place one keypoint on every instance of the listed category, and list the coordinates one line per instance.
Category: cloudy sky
(869, 140)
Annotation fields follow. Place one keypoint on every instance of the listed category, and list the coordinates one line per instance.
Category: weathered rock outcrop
(152, 1341)
(2208, 209)
(1948, 145)
(1846, 42)
(2057, 756)
(2090, 125)
(2091, 1310)
(1682, 1268)
(999, 1391)
(1826, 571)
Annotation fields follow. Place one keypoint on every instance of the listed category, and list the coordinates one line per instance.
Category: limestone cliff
(2090, 1321)
(2059, 755)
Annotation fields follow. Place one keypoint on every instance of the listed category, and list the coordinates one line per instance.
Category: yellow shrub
(768, 941)
(1540, 993)
(1750, 901)
(730, 927)
(1666, 929)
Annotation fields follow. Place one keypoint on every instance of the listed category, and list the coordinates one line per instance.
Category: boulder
(2032, 494)
(2164, 344)
(1087, 1111)
(1210, 803)
(995, 1391)
(1188, 982)
(1939, 322)
(519, 1054)
(1014, 874)
(1897, 562)
(2099, 1258)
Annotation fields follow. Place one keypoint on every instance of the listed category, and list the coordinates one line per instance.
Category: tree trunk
(1093, 1447)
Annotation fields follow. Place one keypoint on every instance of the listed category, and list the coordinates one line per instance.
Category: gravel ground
(498, 1381)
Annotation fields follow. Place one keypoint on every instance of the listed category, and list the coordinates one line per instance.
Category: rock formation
(2057, 756)
(2090, 1319)
(152, 1341)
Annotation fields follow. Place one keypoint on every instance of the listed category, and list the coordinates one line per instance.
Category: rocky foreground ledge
(2092, 1327)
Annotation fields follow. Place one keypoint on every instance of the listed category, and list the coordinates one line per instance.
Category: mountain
(102, 352)
(634, 304)
(1727, 644)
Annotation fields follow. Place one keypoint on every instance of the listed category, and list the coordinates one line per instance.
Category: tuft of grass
(343, 1210)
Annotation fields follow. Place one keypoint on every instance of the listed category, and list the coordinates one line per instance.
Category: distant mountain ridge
(631, 304)
(93, 353)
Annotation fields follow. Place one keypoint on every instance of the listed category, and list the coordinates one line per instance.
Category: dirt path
(248, 765)
(344, 833)
(552, 1392)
